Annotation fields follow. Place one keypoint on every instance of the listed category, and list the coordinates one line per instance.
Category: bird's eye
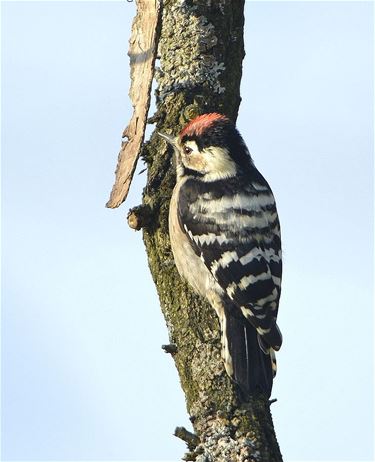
(187, 150)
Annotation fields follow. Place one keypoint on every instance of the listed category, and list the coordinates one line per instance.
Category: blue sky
(83, 374)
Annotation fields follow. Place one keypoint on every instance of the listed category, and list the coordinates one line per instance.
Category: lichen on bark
(200, 51)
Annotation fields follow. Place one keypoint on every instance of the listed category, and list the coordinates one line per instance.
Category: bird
(225, 238)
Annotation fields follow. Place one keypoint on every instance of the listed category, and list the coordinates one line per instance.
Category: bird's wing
(235, 230)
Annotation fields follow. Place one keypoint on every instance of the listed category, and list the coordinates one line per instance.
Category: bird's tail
(251, 366)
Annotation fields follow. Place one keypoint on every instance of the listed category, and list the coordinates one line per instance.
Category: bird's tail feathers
(248, 360)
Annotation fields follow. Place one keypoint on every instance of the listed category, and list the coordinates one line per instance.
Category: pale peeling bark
(201, 52)
(142, 53)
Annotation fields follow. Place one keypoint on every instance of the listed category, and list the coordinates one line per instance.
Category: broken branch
(142, 53)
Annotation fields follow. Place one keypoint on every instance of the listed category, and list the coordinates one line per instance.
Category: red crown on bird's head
(201, 123)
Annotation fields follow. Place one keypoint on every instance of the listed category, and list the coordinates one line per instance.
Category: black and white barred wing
(235, 230)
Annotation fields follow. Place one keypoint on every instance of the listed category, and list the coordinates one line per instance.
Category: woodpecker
(225, 237)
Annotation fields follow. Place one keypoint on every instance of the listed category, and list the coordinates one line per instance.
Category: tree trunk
(201, 51)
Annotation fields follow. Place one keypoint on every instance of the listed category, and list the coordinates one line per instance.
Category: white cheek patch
(219, 163)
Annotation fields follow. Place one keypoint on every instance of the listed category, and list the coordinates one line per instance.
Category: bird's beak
(168, 138)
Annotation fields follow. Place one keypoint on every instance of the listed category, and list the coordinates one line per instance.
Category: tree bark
(200, 50)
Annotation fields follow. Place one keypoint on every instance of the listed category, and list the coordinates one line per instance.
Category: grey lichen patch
(221, 445)
(187, 57)
(226, 436)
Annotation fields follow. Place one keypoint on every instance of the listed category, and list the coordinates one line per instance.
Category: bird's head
(210, 146)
